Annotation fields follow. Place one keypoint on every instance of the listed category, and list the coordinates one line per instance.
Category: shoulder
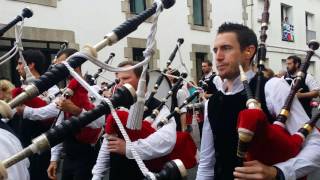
(275, 81)
(217, 81)
(276, 85)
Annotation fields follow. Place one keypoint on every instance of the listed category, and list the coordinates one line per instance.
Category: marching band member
(27, 129)
(236, 44)
(115, 157)
(49, 111)
(80, 149)
(207, 78)
(310, 87)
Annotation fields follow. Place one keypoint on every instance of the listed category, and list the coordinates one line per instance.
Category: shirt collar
(237, 84)
(208, 75)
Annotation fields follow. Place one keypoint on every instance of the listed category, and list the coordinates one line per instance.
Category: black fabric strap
(280, 175)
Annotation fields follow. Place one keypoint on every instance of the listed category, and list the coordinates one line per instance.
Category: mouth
(221, 66)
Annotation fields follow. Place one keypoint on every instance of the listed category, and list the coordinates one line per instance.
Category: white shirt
(43, 113)
(207, 76)
(10, 145)
(276, 91)
(158, 144)
(182, 95)
(311, 82)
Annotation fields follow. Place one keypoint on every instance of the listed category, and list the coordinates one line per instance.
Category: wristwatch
(280, 175)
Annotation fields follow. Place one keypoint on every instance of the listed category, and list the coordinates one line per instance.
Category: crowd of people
(98, 149)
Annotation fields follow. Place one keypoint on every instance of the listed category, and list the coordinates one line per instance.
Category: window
(198, 12)
(310, 33)
(199, 17)
(137, 6)
(137, 54)
(134, 51)
(286, 23)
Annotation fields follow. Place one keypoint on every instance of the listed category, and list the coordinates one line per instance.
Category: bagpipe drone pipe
(26, 13)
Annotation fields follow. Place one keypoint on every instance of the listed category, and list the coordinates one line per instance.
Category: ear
(249, 52)
(31, 66)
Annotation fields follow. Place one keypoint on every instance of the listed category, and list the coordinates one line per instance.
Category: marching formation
(61, 123)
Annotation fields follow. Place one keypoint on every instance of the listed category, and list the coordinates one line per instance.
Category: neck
(35, 74)
(229, 84)
(207, 73)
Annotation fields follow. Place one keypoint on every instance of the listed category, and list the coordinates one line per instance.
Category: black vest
(5, 126)
(223, 112)
(123, 168)
(305, 102)
(210, 88)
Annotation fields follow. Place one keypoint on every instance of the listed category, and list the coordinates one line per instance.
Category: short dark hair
(137, 71)
(68, 52)
(207, 62)
(295, 59)
(36, 57)
(245, 35)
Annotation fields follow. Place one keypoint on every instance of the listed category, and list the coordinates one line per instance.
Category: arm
(102, 163)
(207, 160)
(313, 86)
(181, 96)
(43, 113)
(308, 159)
(158, 144)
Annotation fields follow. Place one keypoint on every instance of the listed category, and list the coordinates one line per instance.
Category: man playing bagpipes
(236, 44)
(80, 150)
(114, 155)
(26, 128)
(310, 87)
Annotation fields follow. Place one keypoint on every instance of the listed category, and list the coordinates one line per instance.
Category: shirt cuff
(54, 157)
(288, 172)
(128, 152)
(97, 177)
(27, 112)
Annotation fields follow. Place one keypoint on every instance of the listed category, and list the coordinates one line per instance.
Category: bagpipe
(124, 96)
(148, 127)
(174, 89)
(259, 139)
(100, 70)
(184, 149)
(162, 76)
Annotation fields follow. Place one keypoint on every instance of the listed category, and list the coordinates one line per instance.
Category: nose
(219, 55)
